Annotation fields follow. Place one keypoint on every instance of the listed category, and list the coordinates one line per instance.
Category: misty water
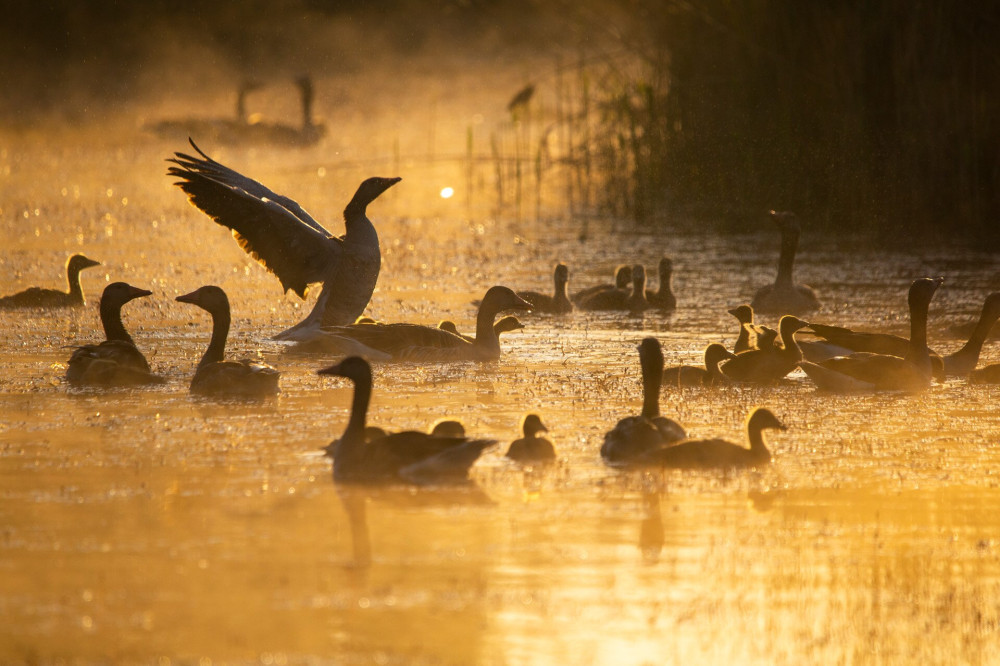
(149, 526)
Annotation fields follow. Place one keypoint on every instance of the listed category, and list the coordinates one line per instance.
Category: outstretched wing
(220, 172)
(299, 253)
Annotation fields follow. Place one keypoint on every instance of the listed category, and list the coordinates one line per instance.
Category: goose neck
(786, 260)
(758, 448)
(111, 319)
(220, 332)
(73, 280)
(652, 378)
(354, 435)
(486, 335)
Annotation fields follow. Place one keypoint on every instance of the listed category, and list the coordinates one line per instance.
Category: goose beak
(136, 292)
(88, 262)
(188, 298)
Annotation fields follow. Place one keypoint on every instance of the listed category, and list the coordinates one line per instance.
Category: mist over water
(150, 526)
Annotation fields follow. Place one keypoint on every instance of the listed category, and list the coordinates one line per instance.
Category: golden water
(147, 526)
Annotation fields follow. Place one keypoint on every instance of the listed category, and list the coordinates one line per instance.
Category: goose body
(623, 279)
(768, 364)
(911, 372)
(634, 436)
(38, 297)
(116, 361)
(412, 457)
(531, 448)
(215, 375)
(663, 298)
(556, 303)
(633, 301)
(307, 133)
(988, 374)
(416, 342)
(288, 242)
(718, 453)
(785, 296)
(690, 375)
(232, 130)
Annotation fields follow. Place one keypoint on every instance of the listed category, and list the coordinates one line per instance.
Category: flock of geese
(301, 252)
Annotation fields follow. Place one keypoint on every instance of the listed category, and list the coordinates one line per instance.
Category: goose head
(118, 294)
(921, 292)
(533, 425)
(561, 274)
(210, 298)
(665, 268)
(762, 418)
(507, 324)
(787, 221)
(369, 190)
(788, 324)
(448, 325)
(448, 428)
(501, 298)
(623, 277)
(78, 262)
(638, 278)
(650, 355)
(354, 368)
(715, 354)
(743, 313)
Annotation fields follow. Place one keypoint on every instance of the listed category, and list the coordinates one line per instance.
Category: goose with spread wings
(287, 241)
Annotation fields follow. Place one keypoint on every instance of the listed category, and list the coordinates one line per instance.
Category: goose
(502, 325)
(287, 241)
(448, 428)
(532, 448)
(223, 130)
(885, 371)
(623, 278)
(746, 340)
(558, 302)
(307, 133)
(768, 364)
(634, 300)
(634, 435)
(663, 298)
(784, 296)
(415, 342)
(116, 361)
(963, 361)
(215, 375)
(37, 297)
(412, 457)
(718, 453)
(690, 375)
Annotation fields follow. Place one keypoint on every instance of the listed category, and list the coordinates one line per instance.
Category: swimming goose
(633, 300)
(962, 362)
(663, 298)
(215, 375)
(280, 134)
(37, 297)
(559, 302)
(784, 296)
(502, 325)
(532, 448)
(718, 453)
(885, 371)
(415, 342)
(223, 130)
(287, 241)
(409, 457)
(690, 375)
(623, 278)
(768, 364)
(634, 435)
(116, 361)
(746, 340)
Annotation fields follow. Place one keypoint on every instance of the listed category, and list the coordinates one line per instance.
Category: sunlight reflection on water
(139, 524)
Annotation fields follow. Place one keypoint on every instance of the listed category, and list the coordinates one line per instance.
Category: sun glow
(447, 192)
